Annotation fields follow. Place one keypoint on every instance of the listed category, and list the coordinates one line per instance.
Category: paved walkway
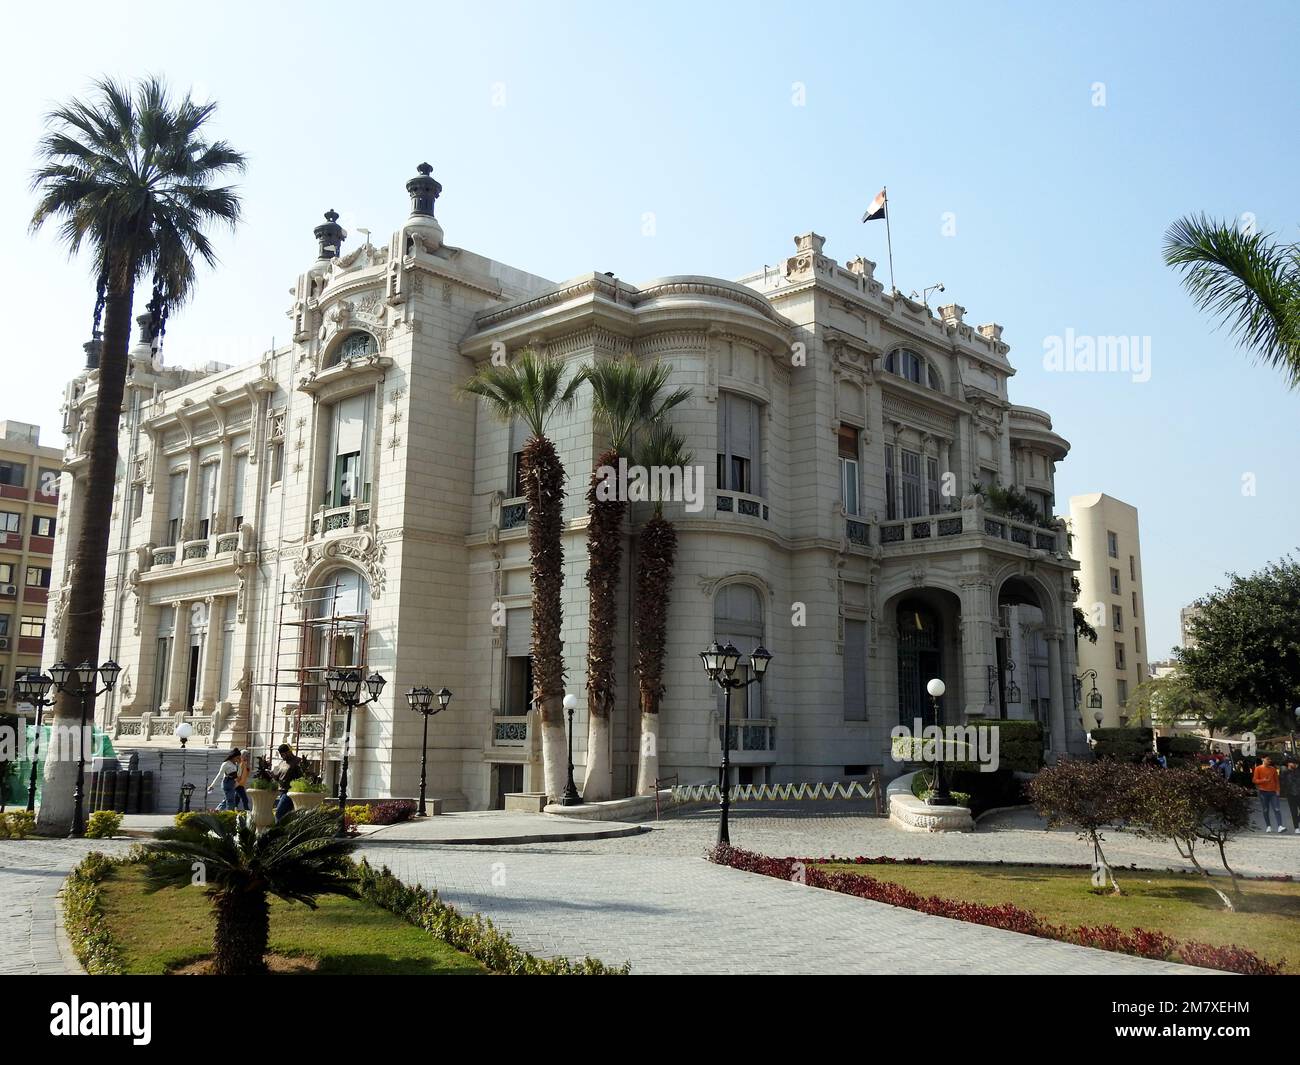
(31, 874)
(652, 900)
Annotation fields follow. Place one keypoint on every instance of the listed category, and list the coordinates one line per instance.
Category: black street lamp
(34, 688)
(344, 684)
(571, 796)
(80, 683)
(939, 794)
(721, 663)
(421, 700)
(184, 731)
(1094, 696)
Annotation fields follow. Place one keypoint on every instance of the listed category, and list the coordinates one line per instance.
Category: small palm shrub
(299, 859)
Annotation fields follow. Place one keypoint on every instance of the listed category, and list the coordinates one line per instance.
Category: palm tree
(625, 396)
(656, 554)
(532, 388)
(131, 177)
(298, 859)
(1246, 279)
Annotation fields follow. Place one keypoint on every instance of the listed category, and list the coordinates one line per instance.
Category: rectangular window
(1132, 568)
(519, 662)
(137, 501)
(13, 474)
(10, 523)
(518, 438)
(739, 445)
(855, 670)
(37, 577)
(1135, 604)
(32, 628)
(911, 479)
(4, 624)
(6, 573)
(1114, 581)
(848, 446)
(237, 488)
(350, 447)
(206, 503)
(1137, 640)
(988, 478)
(891, 491)
(1112, 544)
(1119, 656)
(277, 462)
(42, 526)
(1121, 690)
(175, 507)
(932, 484)
(47, 485)
(1117, 618)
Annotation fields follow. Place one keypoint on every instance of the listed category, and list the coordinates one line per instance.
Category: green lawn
(1180, 905)
(161, 931)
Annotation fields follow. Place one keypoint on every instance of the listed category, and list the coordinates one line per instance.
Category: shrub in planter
(306, 785)
(103, 824)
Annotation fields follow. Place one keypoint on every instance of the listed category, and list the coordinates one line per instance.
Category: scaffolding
(321, 630)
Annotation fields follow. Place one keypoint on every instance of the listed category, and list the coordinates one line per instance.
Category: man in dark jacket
(286, 771)
(1291, 791)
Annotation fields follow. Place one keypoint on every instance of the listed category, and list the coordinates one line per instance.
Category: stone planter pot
(263, 800)
(307, 800)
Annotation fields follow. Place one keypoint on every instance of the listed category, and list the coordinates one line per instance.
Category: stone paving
(31, 873)
(651, 899)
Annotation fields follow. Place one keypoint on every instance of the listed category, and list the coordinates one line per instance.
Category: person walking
(1290, 784)
(242, 801)
(1266, 780)
(226, 777)
(286, 771)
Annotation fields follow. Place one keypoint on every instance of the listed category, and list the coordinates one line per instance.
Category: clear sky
(556, 128)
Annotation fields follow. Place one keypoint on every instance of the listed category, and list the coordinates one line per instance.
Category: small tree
(1090, 797)
(1190, 806)
(298, 859)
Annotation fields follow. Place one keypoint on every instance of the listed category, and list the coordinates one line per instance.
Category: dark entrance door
(919, 660)
(510, 779)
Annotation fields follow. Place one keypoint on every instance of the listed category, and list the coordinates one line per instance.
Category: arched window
(338, 607)
(912, 367)
(738, 618)
(354, 346)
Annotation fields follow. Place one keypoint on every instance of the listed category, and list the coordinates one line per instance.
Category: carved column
(210, 655)
(977, 649)
(1056, 682)
(178, 668)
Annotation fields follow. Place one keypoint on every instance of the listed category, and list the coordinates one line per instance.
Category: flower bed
(1141, 942)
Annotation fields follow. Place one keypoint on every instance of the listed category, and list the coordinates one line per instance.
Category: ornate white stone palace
(339, 500)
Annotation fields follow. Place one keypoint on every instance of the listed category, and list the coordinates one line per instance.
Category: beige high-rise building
(29, 498)
(1107, 546)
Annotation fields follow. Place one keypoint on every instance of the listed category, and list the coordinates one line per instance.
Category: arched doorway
(920, 658)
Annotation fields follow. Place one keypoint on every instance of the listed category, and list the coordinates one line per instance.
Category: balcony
(510, 731)
(751, 740)
(340, 519)
(147, 727)
(947, 529)
(740, 503)
(514, 513)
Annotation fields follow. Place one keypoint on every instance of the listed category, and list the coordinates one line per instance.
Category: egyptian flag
(877, 208)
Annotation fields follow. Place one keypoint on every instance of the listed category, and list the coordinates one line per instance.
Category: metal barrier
(780, 792)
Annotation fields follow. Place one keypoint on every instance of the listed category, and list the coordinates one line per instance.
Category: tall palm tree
(130, 176)
(626, 396)
(656, 555)
(1246, 279)
(299, 859)
(532, 388)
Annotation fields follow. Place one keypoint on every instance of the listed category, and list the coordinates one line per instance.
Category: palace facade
(339, 501)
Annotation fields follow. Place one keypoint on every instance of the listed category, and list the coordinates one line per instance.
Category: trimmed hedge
(475, 936)
(184, 820)
(17, 824)
(83, 916)
(1122, 744)
(103, 824)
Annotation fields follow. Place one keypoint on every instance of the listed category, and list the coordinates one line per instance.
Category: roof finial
(330, 235)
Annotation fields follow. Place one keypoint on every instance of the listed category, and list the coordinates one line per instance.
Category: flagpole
(889, 240)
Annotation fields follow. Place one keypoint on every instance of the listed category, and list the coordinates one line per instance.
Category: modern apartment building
(29, 498)
(1107, 546)
(338, 501)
